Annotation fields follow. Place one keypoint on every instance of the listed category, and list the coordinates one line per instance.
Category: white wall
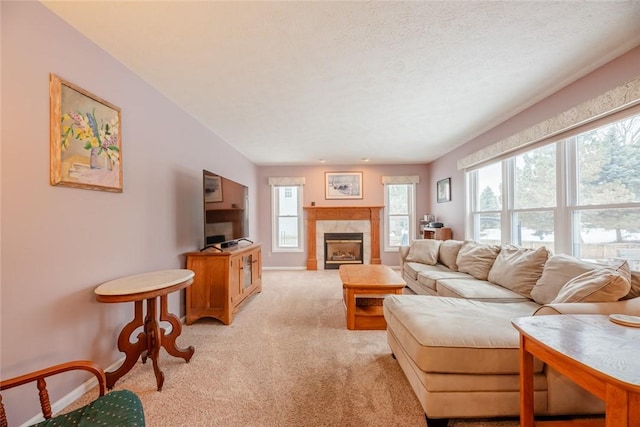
(59, 243)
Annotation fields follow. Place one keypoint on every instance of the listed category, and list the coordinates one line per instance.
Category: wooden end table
(598, 355)
(364, 288)
(138, 288)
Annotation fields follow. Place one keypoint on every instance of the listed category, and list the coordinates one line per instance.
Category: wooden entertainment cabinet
(223, 281)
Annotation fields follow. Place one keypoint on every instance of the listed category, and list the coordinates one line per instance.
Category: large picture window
(578, 195)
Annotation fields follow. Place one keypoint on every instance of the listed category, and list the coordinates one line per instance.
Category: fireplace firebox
(342, 248)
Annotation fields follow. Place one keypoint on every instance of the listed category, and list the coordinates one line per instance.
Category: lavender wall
(373, 193)
(59, 243)
(613, 74)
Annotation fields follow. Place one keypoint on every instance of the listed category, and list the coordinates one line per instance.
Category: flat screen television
(226, 213)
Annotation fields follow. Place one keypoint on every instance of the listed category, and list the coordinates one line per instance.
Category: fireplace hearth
(342, 248)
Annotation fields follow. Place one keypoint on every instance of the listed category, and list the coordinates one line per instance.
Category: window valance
(286, 181)
(617, 99)
(411, 179)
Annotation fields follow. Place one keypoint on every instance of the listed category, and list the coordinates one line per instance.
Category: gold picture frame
(85, 139)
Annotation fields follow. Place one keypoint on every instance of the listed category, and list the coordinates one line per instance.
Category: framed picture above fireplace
(343, 185)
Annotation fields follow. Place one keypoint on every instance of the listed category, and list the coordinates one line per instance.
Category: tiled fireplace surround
(342, 219)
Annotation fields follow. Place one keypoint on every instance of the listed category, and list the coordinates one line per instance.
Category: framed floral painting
(85, 144)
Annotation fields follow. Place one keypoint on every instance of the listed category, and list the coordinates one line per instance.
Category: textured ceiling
(289, 83)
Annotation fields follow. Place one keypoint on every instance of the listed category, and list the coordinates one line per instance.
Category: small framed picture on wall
(443, 190)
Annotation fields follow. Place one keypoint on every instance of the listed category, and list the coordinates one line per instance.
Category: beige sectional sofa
(454, 339)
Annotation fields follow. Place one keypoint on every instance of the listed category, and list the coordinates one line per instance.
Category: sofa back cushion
(424, 251)
(599, 285)
(518, 269)
(635, 286)
(558, 270)
(477, 259)
(448, 253)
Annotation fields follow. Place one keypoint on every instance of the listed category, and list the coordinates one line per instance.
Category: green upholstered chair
(116, 408)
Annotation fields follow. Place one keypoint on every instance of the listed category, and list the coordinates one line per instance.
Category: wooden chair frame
(39, 378)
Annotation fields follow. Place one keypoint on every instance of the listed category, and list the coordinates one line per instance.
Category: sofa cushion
(518, 268)
(412, 269)
(430, 278)
(477, 259)
(479, 290)
(635, 286)
(452, 335)
(558, 270)
(600, 285)
(424, 251)
(448, 253)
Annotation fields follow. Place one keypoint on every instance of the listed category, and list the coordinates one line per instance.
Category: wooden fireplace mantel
(341, 213)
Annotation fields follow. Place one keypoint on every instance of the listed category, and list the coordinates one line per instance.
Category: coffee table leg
(351, 308)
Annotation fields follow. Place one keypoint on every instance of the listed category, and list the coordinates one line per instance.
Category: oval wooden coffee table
(364, 288)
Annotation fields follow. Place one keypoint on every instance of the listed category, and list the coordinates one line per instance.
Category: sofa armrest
(403, 251)
(630, 307)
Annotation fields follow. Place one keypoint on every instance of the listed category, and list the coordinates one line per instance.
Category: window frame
(412, 219)
(275, 216)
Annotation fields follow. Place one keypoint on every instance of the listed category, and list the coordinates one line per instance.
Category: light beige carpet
(286, 360)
